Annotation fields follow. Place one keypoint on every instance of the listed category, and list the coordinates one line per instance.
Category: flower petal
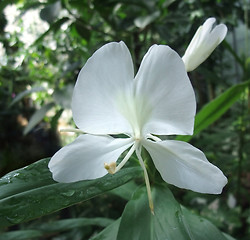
(106, 75)
(85, 157)
(185, 166)
(217, 35)
(167, 97)
(206, 29)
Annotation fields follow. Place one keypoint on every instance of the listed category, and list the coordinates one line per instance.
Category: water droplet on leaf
(69, 193)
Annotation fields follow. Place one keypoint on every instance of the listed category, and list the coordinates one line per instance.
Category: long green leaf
(200, 228)
(53, 27)
(109, 233)
(216, 108)
(55, 227)
(166, 223)
(68, 224)
(37, 117)
(21, 235)
(234, 54)
(25, 93)
(228, 237)
(33, 176)
(169, 221)
(30, 192)
(125, 191)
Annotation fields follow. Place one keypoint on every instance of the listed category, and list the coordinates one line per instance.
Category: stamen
(122, 163)
(75, 130)
(150, 199)
(110, 167)
(153, 137)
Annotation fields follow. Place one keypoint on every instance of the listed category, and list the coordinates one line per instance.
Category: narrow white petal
(218, 34)
(84, 158)
(185, 166)
(194, 43)
(165, 97)
(106, 75)
(206, 28)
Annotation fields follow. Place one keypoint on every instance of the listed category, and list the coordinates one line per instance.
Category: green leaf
(234, 54)
(200, 228)
(228, 237)
(30, 192)
(55, 119)
(166, 223)
(51, 12)
(169, 221)
(68, 224)
(125, 191)
(25, 93)
(21, 235)
(216, 108)
(55, 26)
(143, 21)
(109, 233)
(63, 97)
(37, 117)
(33, 176)
(55, 227)
(82, 29)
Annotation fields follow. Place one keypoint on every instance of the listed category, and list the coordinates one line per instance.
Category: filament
(75, 130)
(126, 158)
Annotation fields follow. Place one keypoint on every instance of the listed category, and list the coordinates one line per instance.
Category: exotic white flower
(203, 43)
(160, 100)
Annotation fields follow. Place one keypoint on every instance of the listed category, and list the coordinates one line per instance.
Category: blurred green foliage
(36, 82)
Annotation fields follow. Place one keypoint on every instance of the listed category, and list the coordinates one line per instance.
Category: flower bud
(203, 43)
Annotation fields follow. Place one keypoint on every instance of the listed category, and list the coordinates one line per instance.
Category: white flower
(203, 43)
(159, 100)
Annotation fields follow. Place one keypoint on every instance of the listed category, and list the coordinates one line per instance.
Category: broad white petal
(165, 97)
(185, 166)
(84, 158)
(106, 75)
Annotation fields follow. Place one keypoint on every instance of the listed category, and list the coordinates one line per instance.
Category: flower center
(112, 168)
(137, 111)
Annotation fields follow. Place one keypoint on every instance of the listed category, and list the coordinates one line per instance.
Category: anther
(110, 167)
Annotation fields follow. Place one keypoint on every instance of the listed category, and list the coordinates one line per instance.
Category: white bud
(203, 43)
